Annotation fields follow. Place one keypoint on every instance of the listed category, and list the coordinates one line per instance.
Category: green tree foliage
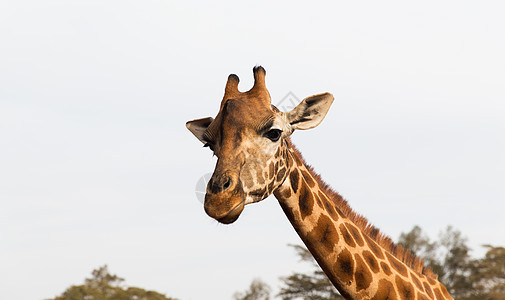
(258, 290)
(456, 264)
(488, 275)
(105, 286)
(313, 286)
(419, 244)
(466, 278)
(448, 257)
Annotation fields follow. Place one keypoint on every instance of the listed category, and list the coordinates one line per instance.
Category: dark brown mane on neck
(403, 254)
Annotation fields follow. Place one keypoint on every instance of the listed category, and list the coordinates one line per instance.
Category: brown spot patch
(405, 289)
(286, 193)
(325, 234)
(374, 247)
(386, 269)
(328, 206)
(355, 234)
(280, 174)
(293, 178)
(322, 195)
(288, 211)
(421, 296)
(438, 294)
(259, 175)
(371, 261)
(306, 201)
(431, 280)
(428, 290)
(344, 267)
(397, 265)
(291, 161)
(298, 161)
(385, 290)
(416, 281)
(248, 178)
(308, 178)
(444, 291)
(271, 170)
(362, 276)
(347, 236)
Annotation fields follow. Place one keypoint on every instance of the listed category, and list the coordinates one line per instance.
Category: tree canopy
(465, 277)
(312, 286)
(105, 286)
(258, 290)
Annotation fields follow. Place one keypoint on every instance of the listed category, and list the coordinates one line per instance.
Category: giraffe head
(248, 136)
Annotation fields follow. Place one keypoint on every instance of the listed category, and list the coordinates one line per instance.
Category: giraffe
(256, 158)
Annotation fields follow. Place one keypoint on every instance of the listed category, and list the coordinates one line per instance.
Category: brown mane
(401, 253)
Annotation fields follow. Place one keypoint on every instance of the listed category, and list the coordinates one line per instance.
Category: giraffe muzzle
(233, 215)
(224, 200)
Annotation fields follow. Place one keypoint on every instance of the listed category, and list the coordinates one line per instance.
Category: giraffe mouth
(233, 215)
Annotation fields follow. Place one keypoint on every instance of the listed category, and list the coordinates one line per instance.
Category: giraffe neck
(352, 253)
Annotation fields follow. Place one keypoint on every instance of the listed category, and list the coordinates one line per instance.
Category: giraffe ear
(310, 112)
(198, 127)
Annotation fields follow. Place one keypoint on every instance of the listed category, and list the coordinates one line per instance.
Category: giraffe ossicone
(256, 158)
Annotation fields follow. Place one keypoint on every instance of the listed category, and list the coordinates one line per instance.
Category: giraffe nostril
(227, 183)
(220, 184)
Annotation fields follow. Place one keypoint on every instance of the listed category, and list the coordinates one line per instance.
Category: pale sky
(97, 167)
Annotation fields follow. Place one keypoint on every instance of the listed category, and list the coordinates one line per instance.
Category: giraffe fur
(256, 158)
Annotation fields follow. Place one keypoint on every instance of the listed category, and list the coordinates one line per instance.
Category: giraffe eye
(274, 134)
